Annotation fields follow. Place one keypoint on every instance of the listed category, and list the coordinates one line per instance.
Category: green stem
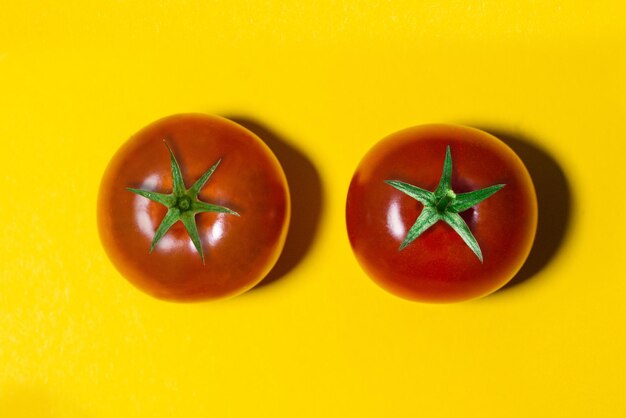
(184, 203)
(445, 201)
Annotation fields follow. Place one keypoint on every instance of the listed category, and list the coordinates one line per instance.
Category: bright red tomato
(441, 213)
(193, 207)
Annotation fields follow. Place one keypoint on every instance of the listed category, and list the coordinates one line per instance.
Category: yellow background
(326, 79)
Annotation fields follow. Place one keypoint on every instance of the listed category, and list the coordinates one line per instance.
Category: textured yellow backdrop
(322, 81)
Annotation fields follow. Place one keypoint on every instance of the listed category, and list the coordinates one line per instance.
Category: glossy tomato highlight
(441, 213)
(193, 207)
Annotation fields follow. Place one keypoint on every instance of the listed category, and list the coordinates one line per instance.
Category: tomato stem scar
(444, 205)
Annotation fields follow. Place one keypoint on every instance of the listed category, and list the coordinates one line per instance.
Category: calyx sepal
(444, 205)
(182, 204)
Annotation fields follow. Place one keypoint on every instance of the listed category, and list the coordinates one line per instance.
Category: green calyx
(182, 204)
(444, 205)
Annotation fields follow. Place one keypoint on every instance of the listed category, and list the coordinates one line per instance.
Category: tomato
(193, 207)
(429, 236)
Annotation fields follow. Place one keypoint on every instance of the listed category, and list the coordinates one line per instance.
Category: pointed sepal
(164, 199)
(170, 218)
(460, 227)
(423, 196)
(464, 201)
(427, 218)
(199, 207)
(445, 183)
(189, 221)
(199, 184)
(178, 184)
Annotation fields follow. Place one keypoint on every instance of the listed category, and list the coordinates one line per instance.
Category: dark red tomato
(193, 207)
(438, 246)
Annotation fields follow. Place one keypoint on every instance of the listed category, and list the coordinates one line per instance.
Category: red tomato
(220, 180)
(435, 247)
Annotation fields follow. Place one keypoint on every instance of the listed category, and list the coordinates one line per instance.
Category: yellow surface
(329, 78)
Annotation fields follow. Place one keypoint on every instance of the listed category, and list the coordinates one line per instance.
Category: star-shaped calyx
(182, 204)
(444, 205)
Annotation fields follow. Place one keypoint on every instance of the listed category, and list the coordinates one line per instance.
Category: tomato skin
(238, 250)
(438, 266)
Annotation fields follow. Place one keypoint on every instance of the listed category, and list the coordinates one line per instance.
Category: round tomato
(441, 213)
(193, 207)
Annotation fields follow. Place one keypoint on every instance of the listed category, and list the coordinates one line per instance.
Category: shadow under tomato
(554, 201)
(305, 189)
